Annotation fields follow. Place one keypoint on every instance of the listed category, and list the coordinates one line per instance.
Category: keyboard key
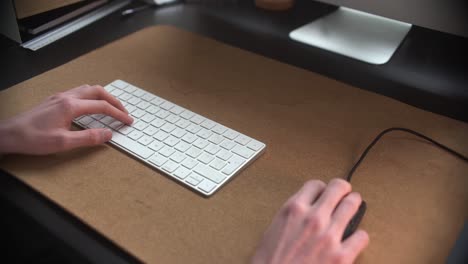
(109, 88)
(193, 152)
(86, 120)
(134, 101)
(167, 151)
(157, 160)
(177, 157)
(130, 88)
(170, 166)
(98, 116)
(216, 139)
(243, 151)
(206, 186)
(135, 135)
(157, 122)
(182, 123)
(208, 124)
(231, 134)
(233, 163)
(178, 132)
(172, 118)
(145, 140)
(138, 113)
(193, 128)
(189, 138)
(205, 158)
(171, 141)
(200, 143)
(161, 135)
(212, 149)
(148, 118)
(218, 164)
(219, 129)
(130, 108)
(157, 101)
(209, 173)
(152, 109)
(204, 133)
(125, 130)
(131, 145)
(140, 125)
(227, 144)
(243, 140)
(119, 84)
(125, 96)
(224, 154)
(138, 92)
(197, 119)
(177, 110)
(116, 125)
(187, 114)
(147, 97)
(96, 124)
(255, 145)
(182, 146)
(168, 127)
(166, 105)
(143, 105)
(197, 176)
(150, 130)
(182, 172)
(162, 114)
(76, 120)
(116, 92)
(192, 180)
(189, 163)
(156, 145)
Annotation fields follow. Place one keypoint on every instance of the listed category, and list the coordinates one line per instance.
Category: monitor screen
(449, 16)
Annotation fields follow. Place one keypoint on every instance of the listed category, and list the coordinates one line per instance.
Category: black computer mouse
(354, 223)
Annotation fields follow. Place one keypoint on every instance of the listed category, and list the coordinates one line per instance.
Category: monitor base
(359, 35)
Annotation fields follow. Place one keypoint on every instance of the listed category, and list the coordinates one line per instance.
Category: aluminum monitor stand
(355, 34)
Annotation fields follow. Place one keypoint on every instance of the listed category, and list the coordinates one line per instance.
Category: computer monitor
(371, 31)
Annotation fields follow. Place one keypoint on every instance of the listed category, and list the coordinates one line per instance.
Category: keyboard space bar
(131, 145)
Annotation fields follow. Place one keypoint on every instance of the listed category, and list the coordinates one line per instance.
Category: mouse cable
(363, 155)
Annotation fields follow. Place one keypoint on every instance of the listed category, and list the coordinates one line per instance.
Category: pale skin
(307, 229)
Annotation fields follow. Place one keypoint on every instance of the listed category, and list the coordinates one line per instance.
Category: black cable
(363, 155)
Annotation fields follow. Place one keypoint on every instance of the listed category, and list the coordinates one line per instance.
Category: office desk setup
(315, 110)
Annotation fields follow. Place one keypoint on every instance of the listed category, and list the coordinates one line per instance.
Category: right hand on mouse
(45, 129)
(310, 225)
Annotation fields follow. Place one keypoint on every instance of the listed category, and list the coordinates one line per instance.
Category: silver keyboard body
(193, 150)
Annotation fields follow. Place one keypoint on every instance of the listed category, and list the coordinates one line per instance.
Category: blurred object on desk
(22, 20)
(27, 8)
(41, 22)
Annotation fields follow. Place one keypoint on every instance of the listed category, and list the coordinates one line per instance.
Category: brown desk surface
(314, 127)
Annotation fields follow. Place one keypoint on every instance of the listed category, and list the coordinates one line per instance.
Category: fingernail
(106, 134)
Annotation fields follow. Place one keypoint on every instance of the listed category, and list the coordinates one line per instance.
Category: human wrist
(8, 137)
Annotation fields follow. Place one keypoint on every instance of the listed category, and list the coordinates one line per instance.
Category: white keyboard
(192, 149)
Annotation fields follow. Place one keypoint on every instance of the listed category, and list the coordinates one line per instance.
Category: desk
(427, 74)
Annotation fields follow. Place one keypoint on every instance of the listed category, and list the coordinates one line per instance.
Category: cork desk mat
(314, 127)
